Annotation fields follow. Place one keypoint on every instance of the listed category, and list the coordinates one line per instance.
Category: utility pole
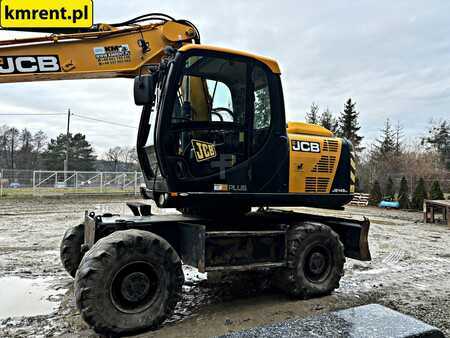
(66, 161)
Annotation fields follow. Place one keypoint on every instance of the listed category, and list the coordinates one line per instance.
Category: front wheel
(129, 282)
(70, 248)
(315, 261)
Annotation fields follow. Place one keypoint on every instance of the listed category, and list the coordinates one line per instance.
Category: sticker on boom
(112, 55)
(203, 150)
(305, 146)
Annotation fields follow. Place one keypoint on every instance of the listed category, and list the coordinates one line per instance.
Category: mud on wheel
(70, 249)
(129, 282)
(315, 261)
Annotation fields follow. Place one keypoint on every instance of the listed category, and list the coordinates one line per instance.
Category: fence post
(135, 183)
(101, 182)
(34, 183)
(1, 183)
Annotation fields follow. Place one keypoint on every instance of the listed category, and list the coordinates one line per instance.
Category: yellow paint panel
(313, 171)
(308, 129)
(46, 14)
(271, 63)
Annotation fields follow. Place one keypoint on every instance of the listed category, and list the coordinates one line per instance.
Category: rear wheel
(70, 248)
(315, 261)
(129, 282)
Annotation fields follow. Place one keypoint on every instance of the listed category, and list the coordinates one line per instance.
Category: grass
(28, 192)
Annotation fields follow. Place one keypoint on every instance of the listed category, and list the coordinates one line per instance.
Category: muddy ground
(410, 272)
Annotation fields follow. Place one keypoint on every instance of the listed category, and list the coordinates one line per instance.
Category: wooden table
(431, 207)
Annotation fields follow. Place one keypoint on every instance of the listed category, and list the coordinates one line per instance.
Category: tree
(313, 115)
(25, 153)
(375, 194)
(39, 140)
(389, 190)
(262, 108)
(398, 138)
(12, 138)
(114, 155)
(439, 139)
(328, 121)
(348, 125)
(81, 153)
(39, 143)
(3, 146)
(130, 158)
(420, 194)
(386, 145)
(403, 196)
(436, 192)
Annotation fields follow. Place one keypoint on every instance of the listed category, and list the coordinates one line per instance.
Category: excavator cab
(218, 127)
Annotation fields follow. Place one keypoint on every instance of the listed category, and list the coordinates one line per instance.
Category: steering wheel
(216, 111)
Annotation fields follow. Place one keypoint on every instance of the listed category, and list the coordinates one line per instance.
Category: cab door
(222, 125)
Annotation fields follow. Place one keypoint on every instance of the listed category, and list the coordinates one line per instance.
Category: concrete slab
(368, 321)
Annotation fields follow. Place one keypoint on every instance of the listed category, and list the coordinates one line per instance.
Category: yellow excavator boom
(106, 52)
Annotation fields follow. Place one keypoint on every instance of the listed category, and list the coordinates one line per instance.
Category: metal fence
(41, 183)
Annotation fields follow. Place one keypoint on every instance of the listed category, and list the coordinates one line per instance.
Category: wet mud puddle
(20, 297)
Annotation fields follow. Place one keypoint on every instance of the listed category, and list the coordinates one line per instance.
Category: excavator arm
(124, 50)
(105, 51)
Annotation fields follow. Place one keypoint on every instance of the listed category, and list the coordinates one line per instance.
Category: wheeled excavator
(213, 142)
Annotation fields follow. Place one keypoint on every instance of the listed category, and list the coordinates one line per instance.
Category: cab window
(221, 113)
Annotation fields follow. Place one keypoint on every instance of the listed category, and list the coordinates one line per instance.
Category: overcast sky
(391, 57)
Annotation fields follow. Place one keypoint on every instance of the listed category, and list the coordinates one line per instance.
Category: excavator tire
(315, 262)
(128, 282)
(70, 248)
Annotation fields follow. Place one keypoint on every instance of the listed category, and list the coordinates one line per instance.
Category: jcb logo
(305, 146)
(203, 150)
(29, 64)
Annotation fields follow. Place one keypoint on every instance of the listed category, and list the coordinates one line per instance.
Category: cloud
(392, 58)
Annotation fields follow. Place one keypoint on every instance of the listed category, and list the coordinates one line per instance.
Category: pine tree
(313, 115)
(81, 153)
(349, 126)
(398, 138)
(386, 145)
(420, 194)
(375, 194)
(328, 121)
(436, 192)
(403, 196)
(389, 191)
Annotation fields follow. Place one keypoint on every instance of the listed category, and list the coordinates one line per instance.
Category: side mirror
(144, 89)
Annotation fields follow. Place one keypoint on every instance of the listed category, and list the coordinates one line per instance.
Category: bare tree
(114, 155)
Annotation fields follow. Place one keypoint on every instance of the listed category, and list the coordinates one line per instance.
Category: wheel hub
(135, 286)
(317, 265)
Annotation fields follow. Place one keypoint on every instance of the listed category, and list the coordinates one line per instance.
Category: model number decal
(305, 146)
(29, 64)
